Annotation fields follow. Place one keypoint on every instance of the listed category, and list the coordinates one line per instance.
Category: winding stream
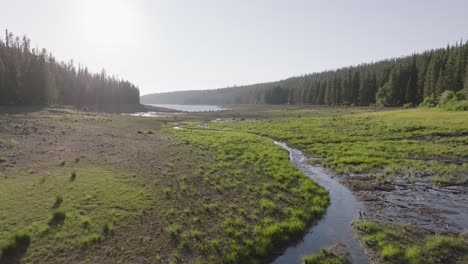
(334, 226)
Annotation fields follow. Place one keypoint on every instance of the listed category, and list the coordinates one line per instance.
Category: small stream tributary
(335, 226)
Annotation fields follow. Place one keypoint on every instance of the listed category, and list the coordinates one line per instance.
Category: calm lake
(191, 108)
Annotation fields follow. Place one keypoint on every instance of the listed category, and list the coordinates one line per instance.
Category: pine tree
(451, 78)
(465, 86)
(411, 94)
(31, 77)
(3, 88)
(367, 89)
(355, 83)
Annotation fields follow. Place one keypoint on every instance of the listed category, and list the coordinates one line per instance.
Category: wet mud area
(439, 208)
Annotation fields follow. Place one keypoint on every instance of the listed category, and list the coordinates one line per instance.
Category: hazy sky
(203, 44)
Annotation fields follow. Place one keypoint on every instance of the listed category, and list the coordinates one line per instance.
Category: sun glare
(107, 22)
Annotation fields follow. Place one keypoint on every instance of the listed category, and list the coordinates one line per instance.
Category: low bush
(408, 105)
(413, 255)
(390, 252)
(448, 100)
(16, 246)
(108, 229)
(174, 230)
(58, 201)
(57, 217)
(73, 176)
(332, 255)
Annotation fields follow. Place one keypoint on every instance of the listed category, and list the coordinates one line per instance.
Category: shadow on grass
(6, 109)
(12, 252)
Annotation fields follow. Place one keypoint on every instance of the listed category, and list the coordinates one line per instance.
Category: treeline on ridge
(32, 77)
(391, 82)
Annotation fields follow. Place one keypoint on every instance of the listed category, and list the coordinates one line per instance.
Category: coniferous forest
(390, 82)
(30, 76)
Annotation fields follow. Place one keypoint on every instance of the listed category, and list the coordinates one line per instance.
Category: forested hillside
(32, 77)
(391, 82)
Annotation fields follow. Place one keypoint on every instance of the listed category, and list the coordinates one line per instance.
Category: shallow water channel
(334, 226)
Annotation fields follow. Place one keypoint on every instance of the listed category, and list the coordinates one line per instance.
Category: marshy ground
(107, 188)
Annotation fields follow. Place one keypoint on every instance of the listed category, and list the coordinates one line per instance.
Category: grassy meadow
(269, 201)
(429, 145)
(64, 207)
(84, 187)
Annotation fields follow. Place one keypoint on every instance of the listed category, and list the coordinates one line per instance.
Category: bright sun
(107, 22)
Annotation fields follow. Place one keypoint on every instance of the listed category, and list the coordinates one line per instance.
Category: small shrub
(390, 252)
(58, 201)
(449, 96)
(108, 229)
(23, 239)
(73, 176)
(428, 102)
(326, 257)
(442, 180)
(86, 222)
(456, 106)
(174, 230)
(57, 218)
(8, 249)
(17, 246)
(413, 255)
(93, 238)
(408, 105)
(167, 191)
(441, 246)
(367, 227)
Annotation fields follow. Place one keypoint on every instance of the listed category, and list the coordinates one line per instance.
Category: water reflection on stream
(335, 225)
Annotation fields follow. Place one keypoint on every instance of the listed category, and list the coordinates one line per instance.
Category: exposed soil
(434, 207)
(69, 138)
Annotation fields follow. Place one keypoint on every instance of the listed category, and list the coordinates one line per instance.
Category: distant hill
(390, 82)
(230, 95)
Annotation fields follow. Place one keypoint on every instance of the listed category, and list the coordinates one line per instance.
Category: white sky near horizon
(205, 44)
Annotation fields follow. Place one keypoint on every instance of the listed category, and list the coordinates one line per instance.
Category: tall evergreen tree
(3, 88)
(465, 85)
(355, 83)
(392, 82)
(411, 93)
(32, 77)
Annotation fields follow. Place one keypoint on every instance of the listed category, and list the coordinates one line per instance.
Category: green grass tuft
(401, 243)
(16, 246)
(57, 218)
